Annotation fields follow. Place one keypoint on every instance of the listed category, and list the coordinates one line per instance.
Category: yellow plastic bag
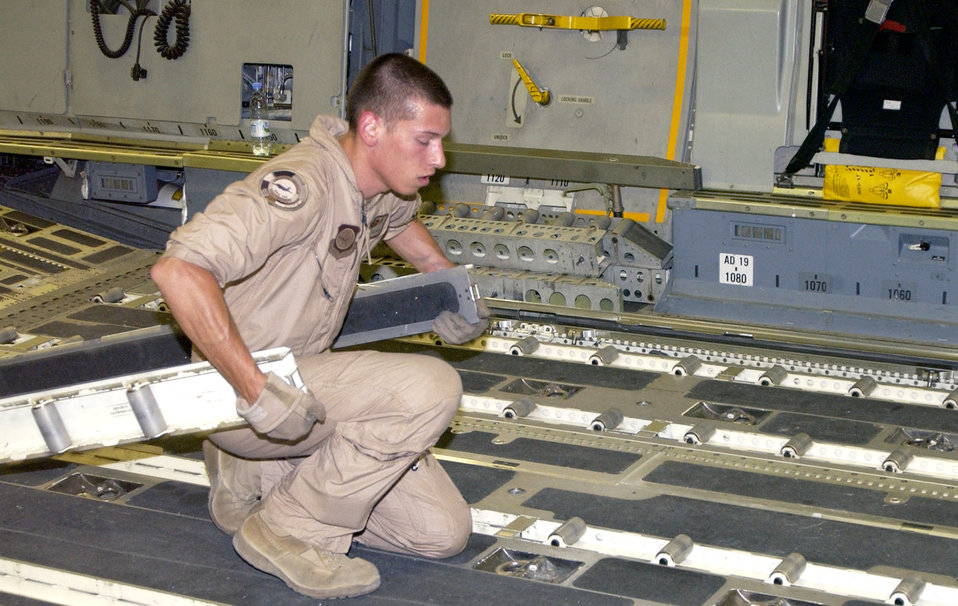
(875, 185)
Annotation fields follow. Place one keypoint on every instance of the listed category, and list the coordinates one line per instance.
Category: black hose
(179, 10)
(130, 27)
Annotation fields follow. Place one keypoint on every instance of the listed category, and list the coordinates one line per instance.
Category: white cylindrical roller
(675, 551)
(114, 295)
(699, 434)
(609, 419)
(568, 533)
(524, 346)
(898, 460)
(604, 356)
(775, 375)
(908, 591)
(51, 426)
(951, 400)
(146, 410)
(8, 334)
(788, 570)
(687, 366)
(797, 446)
(863, 387)
(519, 409)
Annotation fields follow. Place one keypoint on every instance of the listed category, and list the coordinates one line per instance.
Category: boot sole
(257, 560)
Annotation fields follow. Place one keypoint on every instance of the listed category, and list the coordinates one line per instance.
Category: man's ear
(369, 128)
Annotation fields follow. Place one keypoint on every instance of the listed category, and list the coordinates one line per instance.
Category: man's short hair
(387, 85)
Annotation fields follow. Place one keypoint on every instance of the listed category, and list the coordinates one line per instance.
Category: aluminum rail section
(407, 305)
(131, 408)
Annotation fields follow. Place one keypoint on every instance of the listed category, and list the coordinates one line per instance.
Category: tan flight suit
(286, 244)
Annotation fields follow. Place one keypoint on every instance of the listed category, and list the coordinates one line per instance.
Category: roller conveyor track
(729, 473)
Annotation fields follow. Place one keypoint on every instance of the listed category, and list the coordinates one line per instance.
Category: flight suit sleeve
(400, 218)
(272, 208)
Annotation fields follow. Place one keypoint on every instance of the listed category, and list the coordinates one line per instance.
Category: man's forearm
(196, 301)
(416, 245)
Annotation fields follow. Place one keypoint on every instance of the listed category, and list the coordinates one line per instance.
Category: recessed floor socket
(568, 533)
(699, 434)
(604, 356)
(675, 551)
(687, 366)
(524, 346)
(788, 570)
(609, 419)
(796, 447)
(908, 591)
(898, 460)
(863, 387)
(775, 375)
(519, 408)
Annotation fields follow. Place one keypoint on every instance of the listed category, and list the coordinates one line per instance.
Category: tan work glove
(453, 328)
(281, 411)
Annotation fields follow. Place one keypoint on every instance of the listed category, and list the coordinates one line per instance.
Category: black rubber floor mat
(541, 451)
(450, 586)
(191, 557)
(122, 316)
(478, 382)
(769, 532)
(521, 366)
(829, 405)
(852, 499)
(476, 482)
(174, 497)
(826, 429)
(643, 581)
(34, 473)
(8, 599)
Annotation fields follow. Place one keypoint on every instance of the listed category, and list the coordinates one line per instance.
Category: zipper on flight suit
(322, 277)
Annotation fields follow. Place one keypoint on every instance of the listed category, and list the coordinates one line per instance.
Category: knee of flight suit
(460, 524)
(422, 407)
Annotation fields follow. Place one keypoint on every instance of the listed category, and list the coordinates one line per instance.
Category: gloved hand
(281, 411)
(453, 328)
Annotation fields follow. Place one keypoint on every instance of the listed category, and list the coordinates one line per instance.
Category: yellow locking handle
(591, 24)
(539, 95)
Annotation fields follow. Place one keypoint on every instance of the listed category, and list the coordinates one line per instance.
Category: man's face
(411, 151)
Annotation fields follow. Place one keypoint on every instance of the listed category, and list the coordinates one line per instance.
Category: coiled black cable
(130, 27)
(179, 10)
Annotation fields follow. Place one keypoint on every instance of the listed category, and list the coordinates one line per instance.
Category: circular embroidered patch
(283, 189)
(345, 241)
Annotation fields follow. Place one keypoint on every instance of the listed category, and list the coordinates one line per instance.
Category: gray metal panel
(41, 86)
(745, 88)
(205, 83)
(888, 280)
(627, 96)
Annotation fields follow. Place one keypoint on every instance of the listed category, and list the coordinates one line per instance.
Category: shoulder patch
(376, 225)
(284, 189)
